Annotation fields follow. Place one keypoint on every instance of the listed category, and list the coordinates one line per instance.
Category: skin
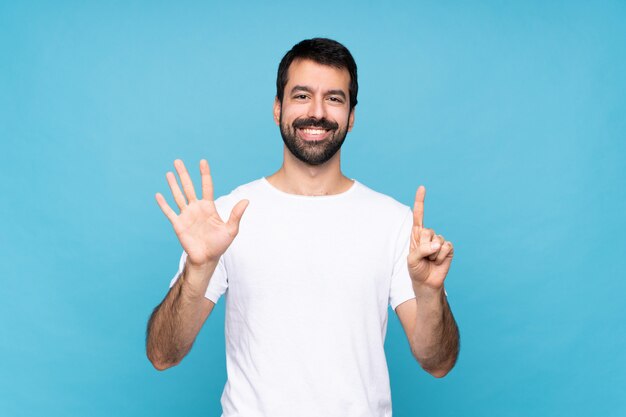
(427, 319)
(175, 322)
(312, 91)
(294, 176)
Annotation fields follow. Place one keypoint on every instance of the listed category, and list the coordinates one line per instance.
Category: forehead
(309, 73)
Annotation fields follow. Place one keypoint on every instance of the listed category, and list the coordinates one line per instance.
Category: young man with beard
(310, 269)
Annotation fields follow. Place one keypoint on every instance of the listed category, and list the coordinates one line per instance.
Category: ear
(351, 119)
(277, 109)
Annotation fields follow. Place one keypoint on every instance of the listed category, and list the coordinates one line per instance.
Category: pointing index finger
(418, 209)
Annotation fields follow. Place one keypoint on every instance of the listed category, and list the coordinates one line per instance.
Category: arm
(427, 320)
(175, 323)
(431, 330)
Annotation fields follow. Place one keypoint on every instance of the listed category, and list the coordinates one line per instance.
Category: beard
(312, 152)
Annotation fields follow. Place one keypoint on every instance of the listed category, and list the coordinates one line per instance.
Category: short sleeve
(217, 284)
(401, 286)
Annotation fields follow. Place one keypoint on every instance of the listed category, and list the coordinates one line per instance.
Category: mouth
(313, 133)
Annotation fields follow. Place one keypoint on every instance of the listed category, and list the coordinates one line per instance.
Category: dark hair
(325, 52)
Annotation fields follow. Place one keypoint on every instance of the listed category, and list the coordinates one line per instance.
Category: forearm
(435, 341)
(175, 323)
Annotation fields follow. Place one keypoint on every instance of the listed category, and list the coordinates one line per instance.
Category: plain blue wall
(513, 116)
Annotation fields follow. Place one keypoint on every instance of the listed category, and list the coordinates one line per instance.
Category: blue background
(512, 115)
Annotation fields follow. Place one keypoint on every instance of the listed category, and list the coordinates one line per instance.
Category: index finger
(418, 209)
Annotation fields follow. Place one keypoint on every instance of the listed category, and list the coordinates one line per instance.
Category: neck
(297, 177)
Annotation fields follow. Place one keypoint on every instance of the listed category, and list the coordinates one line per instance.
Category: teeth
(314, 131)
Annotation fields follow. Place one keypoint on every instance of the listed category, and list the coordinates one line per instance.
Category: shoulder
(381, 203)
(390, 217)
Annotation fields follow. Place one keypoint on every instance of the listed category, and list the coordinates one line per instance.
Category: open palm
(201, 231)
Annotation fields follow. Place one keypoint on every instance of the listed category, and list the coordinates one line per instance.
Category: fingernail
(435, 245)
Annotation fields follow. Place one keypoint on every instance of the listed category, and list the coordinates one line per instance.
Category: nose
(317, 109)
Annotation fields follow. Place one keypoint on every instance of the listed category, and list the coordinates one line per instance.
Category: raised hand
(430, 255)
(199, 228)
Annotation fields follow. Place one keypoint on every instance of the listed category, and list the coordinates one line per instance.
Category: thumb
(428, 248)
(235, 216)
(421, 244)
(421, 251)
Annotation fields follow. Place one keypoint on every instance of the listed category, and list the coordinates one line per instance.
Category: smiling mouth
(313, 133)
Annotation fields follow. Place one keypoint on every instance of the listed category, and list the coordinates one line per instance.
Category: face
(314, 116)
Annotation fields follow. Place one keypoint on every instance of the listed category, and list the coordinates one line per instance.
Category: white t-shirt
(308, 281)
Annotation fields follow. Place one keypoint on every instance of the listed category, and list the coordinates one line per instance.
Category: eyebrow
(308, 90)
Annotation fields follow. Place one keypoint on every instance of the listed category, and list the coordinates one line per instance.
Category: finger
(415, 238)
(165, 208)
(185, 180)
(445, 254)
(235, 217)
(178, 195)
(427, 246)
(207, 181)
(441, 241)
(418, 207)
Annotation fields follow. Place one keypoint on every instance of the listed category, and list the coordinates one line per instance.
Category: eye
(300, 97)
(335, 99)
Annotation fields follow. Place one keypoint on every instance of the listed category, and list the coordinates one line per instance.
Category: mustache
(313, 122)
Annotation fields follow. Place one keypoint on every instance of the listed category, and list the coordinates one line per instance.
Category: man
(310, 269)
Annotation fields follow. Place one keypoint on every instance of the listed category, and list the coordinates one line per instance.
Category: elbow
(439, 365)
(438, 373)
(438, 370)
(160, 364)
